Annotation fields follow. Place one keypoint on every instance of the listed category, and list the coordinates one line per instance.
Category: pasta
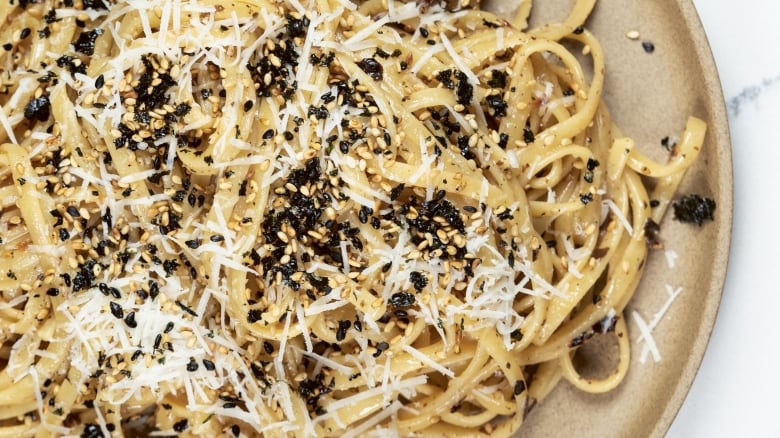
(308, 217)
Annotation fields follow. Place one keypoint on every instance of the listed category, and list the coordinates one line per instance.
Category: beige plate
(650, 96)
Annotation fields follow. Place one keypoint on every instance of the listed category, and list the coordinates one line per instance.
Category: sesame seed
(116, 310)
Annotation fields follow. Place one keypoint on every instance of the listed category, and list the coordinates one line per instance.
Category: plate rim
(718, 130)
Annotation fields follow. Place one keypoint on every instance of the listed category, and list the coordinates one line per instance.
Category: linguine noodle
(308, 217)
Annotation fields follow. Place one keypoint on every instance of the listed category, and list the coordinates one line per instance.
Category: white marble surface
(737, 391)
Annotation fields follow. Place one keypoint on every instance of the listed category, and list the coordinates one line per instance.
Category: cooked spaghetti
(308, 218)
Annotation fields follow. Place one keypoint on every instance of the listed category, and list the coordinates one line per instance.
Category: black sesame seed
(328, 97)
(319, 112)
(56, 214)
(588, 177)
(497, 105)
(402, 299)
(38, 109)
(192, 366)
(396, 191)
(419, 281)
(170, 266)
(130, 320)
(116, 310)
(648, 46)
(209, 365)
(53, 292)
(25, 33)
(268, 347)
(154, 289)
(380, 347)
(254, 315)
(586, 198)
(91, 430)
(68, 61)
(528, 135)
(180, 426)
(372, 67)
(297, 27)
(503, 140)
(504, 215)
(341, 333)
(363, 214)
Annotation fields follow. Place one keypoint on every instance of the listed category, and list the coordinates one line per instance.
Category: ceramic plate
(650, 96)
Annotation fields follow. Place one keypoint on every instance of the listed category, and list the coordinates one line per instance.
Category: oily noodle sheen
(308, 218)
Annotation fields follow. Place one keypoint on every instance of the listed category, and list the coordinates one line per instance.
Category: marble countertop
(737, 390)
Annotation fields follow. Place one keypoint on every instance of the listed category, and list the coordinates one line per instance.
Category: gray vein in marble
(749, 94)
